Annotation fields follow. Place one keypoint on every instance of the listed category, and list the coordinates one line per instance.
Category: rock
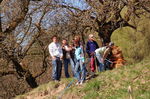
(135, 44)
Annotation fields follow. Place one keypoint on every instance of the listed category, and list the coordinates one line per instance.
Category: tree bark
(25, 73)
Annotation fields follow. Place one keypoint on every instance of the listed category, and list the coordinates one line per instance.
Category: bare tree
(25, 24)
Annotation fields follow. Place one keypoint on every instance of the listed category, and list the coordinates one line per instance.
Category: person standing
(56, 53)
(80, 64)
(91, 46)
(68, 57)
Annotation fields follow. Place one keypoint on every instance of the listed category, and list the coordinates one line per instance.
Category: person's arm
(60, 52)
(87, 49)
(67, 48)
(106, 52)
(82, 55)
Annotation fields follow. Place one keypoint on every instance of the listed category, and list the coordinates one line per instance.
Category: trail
(48, 92)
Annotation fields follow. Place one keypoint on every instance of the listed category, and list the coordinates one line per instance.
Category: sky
(77, 3)
(49, 18)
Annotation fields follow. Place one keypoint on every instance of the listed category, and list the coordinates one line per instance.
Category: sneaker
(56, 81)
(81, 82)
(77, 83)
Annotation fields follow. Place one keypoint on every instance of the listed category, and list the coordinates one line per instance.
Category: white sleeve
(60, 50)
(67, 48)
(97, 50)
(50, 48)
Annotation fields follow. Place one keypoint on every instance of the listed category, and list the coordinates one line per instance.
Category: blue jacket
(91, 46)
(79, 53)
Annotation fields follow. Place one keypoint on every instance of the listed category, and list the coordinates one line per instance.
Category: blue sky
(48, 18)
(77, 3)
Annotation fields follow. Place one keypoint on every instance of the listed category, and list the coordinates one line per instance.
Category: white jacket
(55, 49)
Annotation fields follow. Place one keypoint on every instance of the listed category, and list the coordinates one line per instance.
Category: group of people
(74, 54)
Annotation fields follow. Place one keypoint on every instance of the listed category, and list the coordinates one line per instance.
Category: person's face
(91, 38)
(76, 45)
(71, 45)
(64, 42)
(77, 38)
(54, 39)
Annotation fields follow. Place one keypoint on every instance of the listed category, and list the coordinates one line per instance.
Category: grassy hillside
(128, 82)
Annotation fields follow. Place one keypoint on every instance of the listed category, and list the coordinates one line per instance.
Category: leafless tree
(26, 24)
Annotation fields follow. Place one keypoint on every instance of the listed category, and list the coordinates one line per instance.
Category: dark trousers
(66, 62)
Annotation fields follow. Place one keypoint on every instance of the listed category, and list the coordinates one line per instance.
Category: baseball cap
(111, 43)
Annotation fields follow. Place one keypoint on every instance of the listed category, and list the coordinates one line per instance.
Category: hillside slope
(128, 82)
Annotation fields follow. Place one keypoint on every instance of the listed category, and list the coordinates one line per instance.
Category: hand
(61, 58)
(63, 47)
(53, 57)
(92, 54)
(102, 60)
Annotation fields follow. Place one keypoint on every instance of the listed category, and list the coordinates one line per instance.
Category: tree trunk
(24, 73)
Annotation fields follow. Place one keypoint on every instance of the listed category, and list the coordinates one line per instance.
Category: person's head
(54, 38)
(76, 44)
(64, 41)
(91, 37)
(111, 44)
(77, 38)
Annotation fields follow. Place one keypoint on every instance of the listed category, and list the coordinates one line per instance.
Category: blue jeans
(101, 65)
(66, 62)
(80, 69)
(72, 62)
(107, 64)
(56, 70)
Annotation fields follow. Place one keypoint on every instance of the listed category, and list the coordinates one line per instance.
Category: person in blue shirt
(80, 70)
(91, 46)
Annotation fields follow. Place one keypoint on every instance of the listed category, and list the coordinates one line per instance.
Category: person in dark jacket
(68, 57)
(91, 46)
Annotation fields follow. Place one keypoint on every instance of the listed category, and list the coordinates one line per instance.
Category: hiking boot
(56, 80)
(77, 83)
(81, 82)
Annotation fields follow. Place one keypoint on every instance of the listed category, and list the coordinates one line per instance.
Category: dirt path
(48, 93)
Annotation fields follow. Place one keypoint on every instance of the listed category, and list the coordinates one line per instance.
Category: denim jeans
(80, 69)
(66, 63)
(107, 64)
(72, 62)
(101, 65)
(57, 68)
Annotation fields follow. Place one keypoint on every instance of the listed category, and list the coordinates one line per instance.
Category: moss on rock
(135, 44)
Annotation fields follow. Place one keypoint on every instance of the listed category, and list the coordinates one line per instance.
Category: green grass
(122, 83)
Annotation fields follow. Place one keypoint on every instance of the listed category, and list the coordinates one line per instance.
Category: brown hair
(54, 36)
(77, 38)
(64, 39)
(77, 43)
